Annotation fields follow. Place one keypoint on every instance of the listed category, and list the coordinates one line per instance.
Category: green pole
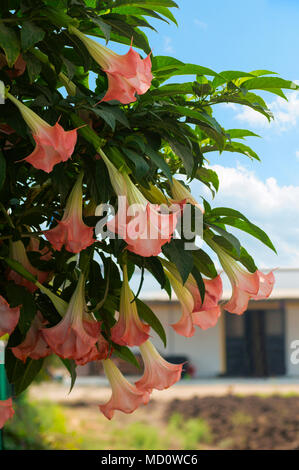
(3, 383)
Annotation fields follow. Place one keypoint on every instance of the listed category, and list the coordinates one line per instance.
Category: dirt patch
(250, 422)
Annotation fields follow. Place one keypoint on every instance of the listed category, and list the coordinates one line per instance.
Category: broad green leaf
(228, 236)
(141, 167)
(204, 264)
(30, 35)
(151, 319)
(123, 352)
(10, 44)
(183, 260)
(19, 268)
(268, 83)
(158, 161)
(240, 133)
(250, 228)
(185, 154)
(71, 367)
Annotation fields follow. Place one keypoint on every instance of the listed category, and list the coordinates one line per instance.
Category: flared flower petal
(265, 286)
(206, 314)
(77, 333)
(18, 253)
(34, 345)
(144, 226)
(129, 329)
(125, 396)
(100, 351)
(53, 143)
(127, 74)
(71, 231)
(158, 373)
(245, 285)
(6, 411)
(9, 317)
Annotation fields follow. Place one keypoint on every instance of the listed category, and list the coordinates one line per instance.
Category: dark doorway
(255, 343)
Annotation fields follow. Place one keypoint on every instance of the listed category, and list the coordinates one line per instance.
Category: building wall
(292, 333)
(203, 349)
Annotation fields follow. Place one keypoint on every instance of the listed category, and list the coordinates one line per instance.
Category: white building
(258, 343)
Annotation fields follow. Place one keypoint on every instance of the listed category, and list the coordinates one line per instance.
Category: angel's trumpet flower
(125, 396)
(53, 143)
(127, 74)
(71, 230)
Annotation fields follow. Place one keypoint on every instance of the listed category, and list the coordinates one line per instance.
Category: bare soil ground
(238, 419)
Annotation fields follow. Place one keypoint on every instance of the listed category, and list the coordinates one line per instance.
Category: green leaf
(185, 154)
(33, 66)
(183, 260)
(208, 176)
(106, 28)
(250, 228)
(158, 161)
(151, 319)
(141, 166)
(10, 44)
(240, 133)
(228, 236)
(21, 374)
(2, 169)
(71, 367)
(226, 211)
(123, 352)
(241, 148)
(204, 264)
(30, 35)
(199, 281)
(19, 268)
(269, 83)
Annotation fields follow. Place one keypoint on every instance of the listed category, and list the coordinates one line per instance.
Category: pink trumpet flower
(53, 143)
(185, 325)
(205, 314)
(18, 253)
(158, 373)
(143, 226)
(129, 329)
(100, 351)
(127, 74)
(195, 312)
(6, 411)
(245, 285)
(76, 334)
(71, 230)
(9, 317)
(34, 345)
(125, 396)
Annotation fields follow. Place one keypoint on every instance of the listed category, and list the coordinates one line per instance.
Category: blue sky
(233, 35)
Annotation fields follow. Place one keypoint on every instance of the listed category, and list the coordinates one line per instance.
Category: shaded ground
(184, 417)
(250, 422)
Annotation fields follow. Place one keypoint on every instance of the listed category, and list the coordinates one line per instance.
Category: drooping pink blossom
(158, 373)
(125, 396)
(53, 144)
(101, 350)
(185, 325)
(129, 329)
(143, 226)
(71, 230)
(18, 253)
(127, 74)
(245, 285)
(76, 334)
(206, 314)
(17, 69)
(34, 344)
(6, 411)
(9, 317)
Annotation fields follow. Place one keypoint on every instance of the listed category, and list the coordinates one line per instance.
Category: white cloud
(200, 24)
(286, 113)
(272, 207)
(297, 154)
(168, 48)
